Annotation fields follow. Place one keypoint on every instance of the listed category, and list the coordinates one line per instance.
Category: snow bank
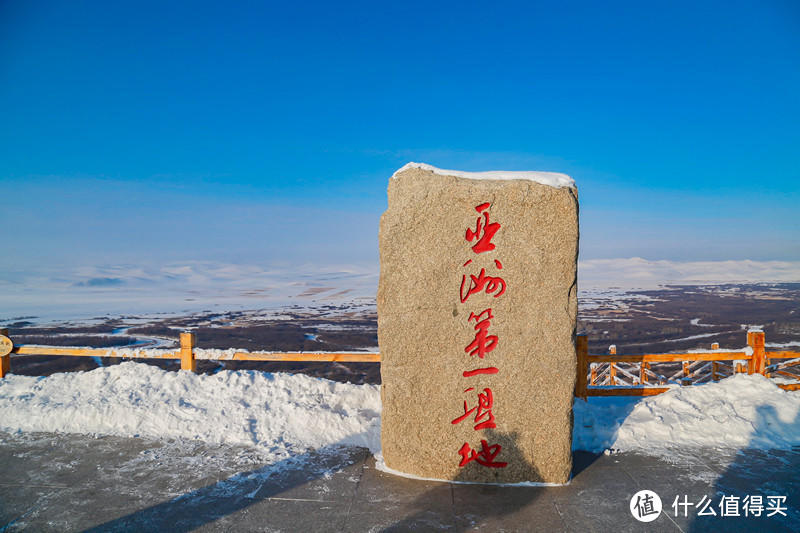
(280, 414)
(283, 415)
(553, 179)
(743, 411)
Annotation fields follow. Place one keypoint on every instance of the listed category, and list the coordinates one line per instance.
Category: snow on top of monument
(553, 179)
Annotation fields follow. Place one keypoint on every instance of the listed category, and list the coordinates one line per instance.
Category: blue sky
(266, 132)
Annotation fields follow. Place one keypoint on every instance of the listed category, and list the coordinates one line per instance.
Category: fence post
(582, 352)
(643, 372)
(715, 364)
(755, 339)
(686, 373)
(612, 370)
(593, 380)
(5, 360)
(188, 362)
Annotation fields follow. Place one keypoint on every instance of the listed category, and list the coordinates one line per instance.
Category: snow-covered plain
(281, 416)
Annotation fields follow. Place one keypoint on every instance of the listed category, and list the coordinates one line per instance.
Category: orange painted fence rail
(597, 375)
(604, 375)
(186, 354)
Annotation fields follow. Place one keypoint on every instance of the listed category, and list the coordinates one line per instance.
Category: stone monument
(477, 306)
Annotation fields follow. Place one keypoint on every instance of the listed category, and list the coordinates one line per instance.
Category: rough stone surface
(424, 327)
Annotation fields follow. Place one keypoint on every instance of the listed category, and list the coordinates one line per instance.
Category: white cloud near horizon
(625, 272)
(117, 246)
(636, 272)
(195, 285)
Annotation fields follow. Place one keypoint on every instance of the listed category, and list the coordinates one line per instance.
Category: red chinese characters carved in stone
(484, 457)
(484, 418)
(482, 282)
(483, 343)
(478, 371)
(484, 231)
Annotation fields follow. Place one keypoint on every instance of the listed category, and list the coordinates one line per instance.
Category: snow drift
(280, 414)
(284, 415)
(743, 411)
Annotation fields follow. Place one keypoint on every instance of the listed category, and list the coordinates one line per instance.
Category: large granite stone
(437, 316)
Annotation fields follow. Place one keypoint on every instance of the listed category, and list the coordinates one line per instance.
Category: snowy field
(280, 416)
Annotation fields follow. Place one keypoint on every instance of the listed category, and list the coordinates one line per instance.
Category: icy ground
(280, 416)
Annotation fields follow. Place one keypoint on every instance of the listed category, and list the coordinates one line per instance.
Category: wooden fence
(597, 375)
(631, 375)
(186, 354)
